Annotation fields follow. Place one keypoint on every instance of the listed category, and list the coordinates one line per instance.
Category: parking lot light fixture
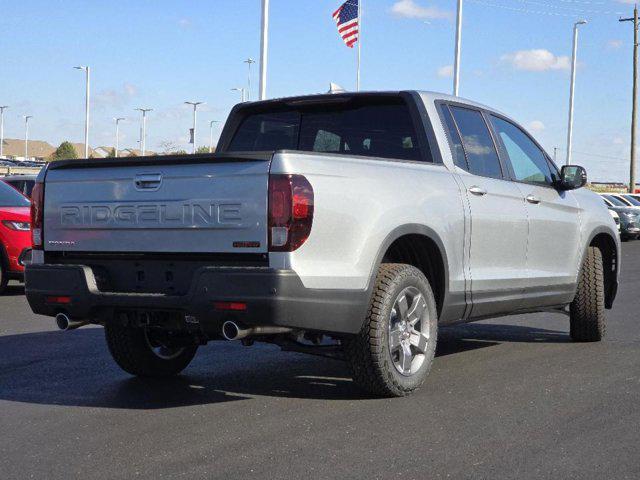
(195, 121)
(26, 136)
(143, 128)
(211, 135)
(117, 147)
(572, 87)
(241, 90)
(249, 62)
(2, 109)
(87, 71)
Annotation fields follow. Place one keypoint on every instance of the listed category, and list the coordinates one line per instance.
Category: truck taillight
(290, 212)
(37, 205)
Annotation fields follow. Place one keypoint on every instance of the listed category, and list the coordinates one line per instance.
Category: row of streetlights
(26, 131)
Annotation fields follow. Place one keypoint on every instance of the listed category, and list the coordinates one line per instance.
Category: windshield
(617, 202)
(632, 200)
(10, 197)
(380, 128)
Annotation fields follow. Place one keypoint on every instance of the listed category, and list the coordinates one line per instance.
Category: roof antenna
(335, 88)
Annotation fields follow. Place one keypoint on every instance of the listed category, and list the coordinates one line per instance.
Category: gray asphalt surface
(507, 398)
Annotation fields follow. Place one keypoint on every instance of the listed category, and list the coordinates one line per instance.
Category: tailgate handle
(148, 181)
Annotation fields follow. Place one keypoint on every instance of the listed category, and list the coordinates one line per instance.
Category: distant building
(13, 149)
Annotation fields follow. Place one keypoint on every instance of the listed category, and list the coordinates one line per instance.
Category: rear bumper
(273, 297)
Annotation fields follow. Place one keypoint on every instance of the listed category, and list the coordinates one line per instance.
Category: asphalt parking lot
(507, 398)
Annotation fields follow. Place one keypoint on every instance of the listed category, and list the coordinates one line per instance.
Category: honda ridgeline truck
(348, 225)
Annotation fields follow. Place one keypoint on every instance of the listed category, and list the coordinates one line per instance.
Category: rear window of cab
(383, 128)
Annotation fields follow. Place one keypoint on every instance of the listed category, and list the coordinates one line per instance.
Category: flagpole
(359, 43)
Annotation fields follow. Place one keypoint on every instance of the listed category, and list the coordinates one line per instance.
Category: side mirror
(572, 177)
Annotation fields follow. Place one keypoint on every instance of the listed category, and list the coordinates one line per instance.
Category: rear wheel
(144, 352)
(587, 309)
(393, 353)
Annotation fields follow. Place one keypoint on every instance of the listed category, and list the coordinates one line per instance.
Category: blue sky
(159, 53)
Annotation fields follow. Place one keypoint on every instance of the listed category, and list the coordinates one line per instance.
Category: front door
(554, 218)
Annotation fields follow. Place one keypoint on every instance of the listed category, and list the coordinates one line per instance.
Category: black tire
(132, 351)
(587, 309)
(369, 352)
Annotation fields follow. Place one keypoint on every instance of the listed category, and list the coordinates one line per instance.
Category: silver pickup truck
(348, 225)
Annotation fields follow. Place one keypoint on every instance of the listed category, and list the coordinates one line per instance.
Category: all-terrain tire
(131, 350)
(587, 309)
(369, 353)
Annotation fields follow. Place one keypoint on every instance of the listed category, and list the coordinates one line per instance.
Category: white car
(616, 218)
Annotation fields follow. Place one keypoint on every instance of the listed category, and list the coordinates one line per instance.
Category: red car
(15, 236)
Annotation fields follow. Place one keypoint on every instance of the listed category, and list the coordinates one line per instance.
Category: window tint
(10, 197)
(267, 131)
(379, 129)
(478, 145)
(456, 144)
(632, 200)
(615, 201)
(529, 163)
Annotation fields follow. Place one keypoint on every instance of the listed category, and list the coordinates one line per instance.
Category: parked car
(616, 218)
(367, 218)
(23, 183)
(629, 217)
(15, 239)
(634, 200)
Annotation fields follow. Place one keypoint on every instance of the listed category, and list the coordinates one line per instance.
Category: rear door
(211, 206)
(554, 216)
(498, 216)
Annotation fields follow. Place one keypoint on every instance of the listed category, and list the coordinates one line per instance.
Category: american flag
(346, 18)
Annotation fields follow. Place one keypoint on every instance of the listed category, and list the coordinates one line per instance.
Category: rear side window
(380, 129)
(456, 143)
(10, 197)
(479, 148)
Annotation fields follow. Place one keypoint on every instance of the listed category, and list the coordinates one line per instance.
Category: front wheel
(141, 351)
(393, 353)
(4, 278)
(586, 312)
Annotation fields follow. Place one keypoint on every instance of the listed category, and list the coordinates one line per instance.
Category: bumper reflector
(230, 306)
(59, 300)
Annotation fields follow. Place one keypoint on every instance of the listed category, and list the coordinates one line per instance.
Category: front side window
(479, 148)
(376, 128)
(529, 162)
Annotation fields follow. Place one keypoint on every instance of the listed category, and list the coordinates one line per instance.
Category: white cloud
(614, 44)
(115, 98)
(184, 23)
(536, 126)
(410, 9)
(537, 60)
(446, 71)
(628, 2)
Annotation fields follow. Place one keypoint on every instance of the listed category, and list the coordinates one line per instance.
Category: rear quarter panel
(359, 203)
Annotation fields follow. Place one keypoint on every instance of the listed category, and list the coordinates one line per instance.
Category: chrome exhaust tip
(231, 330)
(65, 323)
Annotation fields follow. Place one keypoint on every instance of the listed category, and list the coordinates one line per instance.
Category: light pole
(26, 136)
(195, 119)
(211, 135)
(456, 62)
(574, 59)
(87, 71)
(264, 49)
(249, 61)
(634, 105)
(117, 120)
(143, 128)
(2, 109)
(241, 90)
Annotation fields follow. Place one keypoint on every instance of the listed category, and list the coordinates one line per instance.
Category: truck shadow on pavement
(75, 369)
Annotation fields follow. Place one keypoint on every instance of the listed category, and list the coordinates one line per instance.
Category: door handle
(480, 192)
(532, 199)
(148, 181)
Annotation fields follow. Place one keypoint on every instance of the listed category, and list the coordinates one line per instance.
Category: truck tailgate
(217, 206)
